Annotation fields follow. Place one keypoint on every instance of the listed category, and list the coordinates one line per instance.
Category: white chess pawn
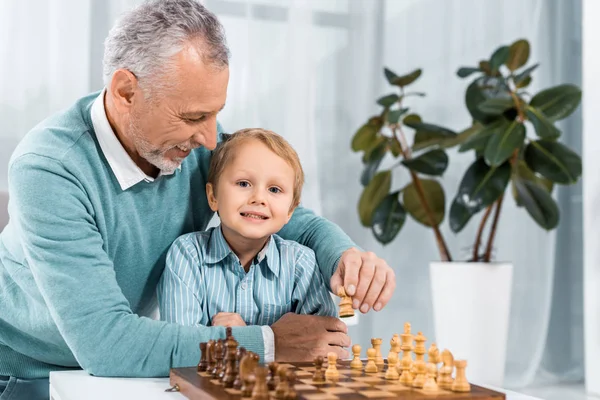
(430, 385)
(392, 373)
(371, 367)
(332, 373)
(356, 363)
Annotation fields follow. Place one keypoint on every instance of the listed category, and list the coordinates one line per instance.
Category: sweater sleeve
(64, 250)
(325, 238)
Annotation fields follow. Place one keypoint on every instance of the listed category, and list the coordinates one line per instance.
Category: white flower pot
(471, 307)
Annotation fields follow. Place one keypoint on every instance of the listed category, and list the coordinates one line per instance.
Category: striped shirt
(203, 277)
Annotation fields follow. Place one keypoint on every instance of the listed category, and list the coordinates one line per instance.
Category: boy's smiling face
(254, 193)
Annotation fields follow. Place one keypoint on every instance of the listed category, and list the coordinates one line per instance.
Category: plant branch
(517, 101)
(488, 251)
(444, 253)
(488, 211)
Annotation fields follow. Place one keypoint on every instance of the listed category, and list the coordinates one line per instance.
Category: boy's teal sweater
(80, 258)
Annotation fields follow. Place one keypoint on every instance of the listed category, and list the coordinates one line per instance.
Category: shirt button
(244, 285)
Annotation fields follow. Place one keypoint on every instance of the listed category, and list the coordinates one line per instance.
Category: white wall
(591, 191)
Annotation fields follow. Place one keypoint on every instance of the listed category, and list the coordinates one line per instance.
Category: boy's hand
(228, 319)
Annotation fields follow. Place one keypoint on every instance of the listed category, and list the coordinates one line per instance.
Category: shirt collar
(218, 250)
(125, 169)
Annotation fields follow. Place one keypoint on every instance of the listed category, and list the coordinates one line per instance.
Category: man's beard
(150, 153)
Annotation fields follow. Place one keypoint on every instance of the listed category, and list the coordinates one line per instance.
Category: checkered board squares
(351, 385)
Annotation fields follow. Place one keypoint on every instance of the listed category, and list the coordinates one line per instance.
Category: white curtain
(312, 70)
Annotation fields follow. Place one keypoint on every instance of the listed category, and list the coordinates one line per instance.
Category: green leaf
(554, 161)
(485, 67)
(496, 106)
(479, 139)
(394, 115)
(411, 119)
(500, 146)
(406, 80)
(366, 134)
(373, 195)
(544, 128)
(394, 146)
(389, 100)
(522, 171)
(390, 75)
(524, 83)
(518, 54)
(463, 72)
(425, 139)
(557, 102)
(522, 76)
(372, 160)
(388, 219)
(499, 57)
(480, 187)
(433, 162)
(538, 203)
(434, 196)
(477, 93)
(421, 126)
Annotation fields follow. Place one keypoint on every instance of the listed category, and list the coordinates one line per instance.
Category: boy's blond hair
(225, 151)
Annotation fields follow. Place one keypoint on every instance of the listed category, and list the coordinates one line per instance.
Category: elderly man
(100, 191)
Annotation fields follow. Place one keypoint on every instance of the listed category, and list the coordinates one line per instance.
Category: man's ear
(123, 89)
(212, 199)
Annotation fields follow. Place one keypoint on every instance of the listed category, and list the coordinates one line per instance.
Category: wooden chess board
(352, 385)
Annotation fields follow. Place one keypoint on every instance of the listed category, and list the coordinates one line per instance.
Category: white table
(78, 385)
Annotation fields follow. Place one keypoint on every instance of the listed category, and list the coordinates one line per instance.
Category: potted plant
(515, 145)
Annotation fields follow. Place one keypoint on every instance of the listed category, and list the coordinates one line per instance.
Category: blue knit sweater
(80, 258)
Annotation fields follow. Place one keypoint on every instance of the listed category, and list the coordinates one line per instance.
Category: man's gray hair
(146, 38)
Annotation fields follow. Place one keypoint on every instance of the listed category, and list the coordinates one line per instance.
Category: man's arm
(325, 238)
(310, 291)
(77, 280)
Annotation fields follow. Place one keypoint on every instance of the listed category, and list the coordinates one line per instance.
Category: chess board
(352, 385)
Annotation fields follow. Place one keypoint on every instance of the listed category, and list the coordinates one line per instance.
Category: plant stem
(488, 211)
(518, 105)
(488, 250)
(444, 253)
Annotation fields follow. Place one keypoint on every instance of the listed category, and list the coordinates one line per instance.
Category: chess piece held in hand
(346, 309)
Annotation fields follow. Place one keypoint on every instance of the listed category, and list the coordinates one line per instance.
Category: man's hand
(228, 319)
(303, 337)
(366, 278)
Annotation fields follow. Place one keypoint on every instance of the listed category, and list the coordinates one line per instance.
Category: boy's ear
(290, 213)
(210, 195)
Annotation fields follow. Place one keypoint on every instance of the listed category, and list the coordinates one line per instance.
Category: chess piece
(407, 346)
(376, 342)
(430, 386)
(230, 371)
(445, 380)
(282, 386)
(434, 354)
(420, 377)
(241, 352)
(460, 382)
(272, 380)
(218, 354)
(248, 364)
(223, 366)
(356, 363)
(420, 351)
(371, 367)
(392, 373)
(210, 356)
(260, 390)
(394, 347)
(319, 374)
(332, 373)
(346, 309)
(291, 393)
(203, 364)
(406, 378)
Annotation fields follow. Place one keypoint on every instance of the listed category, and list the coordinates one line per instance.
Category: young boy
(241, 273)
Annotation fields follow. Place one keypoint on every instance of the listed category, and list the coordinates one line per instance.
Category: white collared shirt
(125, 169)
